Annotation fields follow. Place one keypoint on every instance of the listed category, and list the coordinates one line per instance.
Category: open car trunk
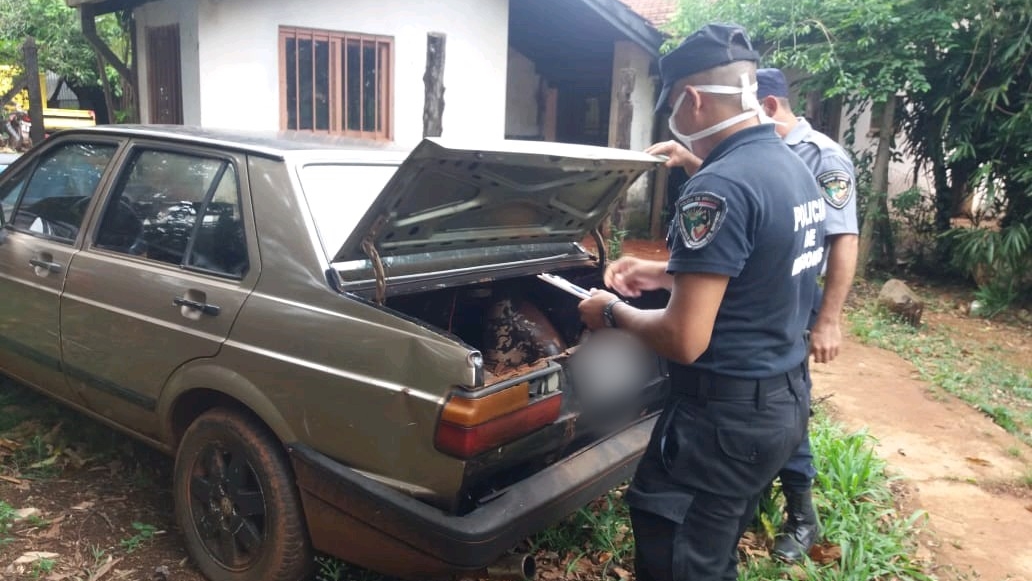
(456, 239)
(530, 331)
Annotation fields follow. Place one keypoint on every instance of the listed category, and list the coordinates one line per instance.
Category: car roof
(277, 144)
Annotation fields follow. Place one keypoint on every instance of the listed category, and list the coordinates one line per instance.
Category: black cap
(771, 83)
(709, 47)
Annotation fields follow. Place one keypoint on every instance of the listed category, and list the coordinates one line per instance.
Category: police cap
(709, 47)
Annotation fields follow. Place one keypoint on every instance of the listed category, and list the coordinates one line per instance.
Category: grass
(853, 498)
(144, 533)
(973, 370)
(6, 520)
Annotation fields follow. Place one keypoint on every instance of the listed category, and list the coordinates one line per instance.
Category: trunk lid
(447, 197)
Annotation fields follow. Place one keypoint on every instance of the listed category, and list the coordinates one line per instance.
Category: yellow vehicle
(57, 119)
(53, 119)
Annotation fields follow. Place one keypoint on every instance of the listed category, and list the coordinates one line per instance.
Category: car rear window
(339, 195)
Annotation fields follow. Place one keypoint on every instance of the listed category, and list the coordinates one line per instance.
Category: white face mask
(750, 107)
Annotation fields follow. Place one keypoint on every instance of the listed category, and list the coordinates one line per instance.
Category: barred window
(336, 82)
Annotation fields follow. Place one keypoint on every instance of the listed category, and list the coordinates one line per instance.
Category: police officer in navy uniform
(833, 171)
(746, 243)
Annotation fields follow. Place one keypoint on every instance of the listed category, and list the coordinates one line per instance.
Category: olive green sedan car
(346, 347)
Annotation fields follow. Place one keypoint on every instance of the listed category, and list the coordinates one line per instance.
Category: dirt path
(957, 464)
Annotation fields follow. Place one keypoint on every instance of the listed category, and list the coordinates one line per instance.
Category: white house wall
(185, 15)
(237, 58)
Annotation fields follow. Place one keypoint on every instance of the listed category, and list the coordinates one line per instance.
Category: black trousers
(716, 446)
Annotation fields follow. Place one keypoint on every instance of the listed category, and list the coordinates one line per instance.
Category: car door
(44, 207)
(160, 279)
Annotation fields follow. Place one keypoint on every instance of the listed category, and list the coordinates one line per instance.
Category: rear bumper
(367, 523)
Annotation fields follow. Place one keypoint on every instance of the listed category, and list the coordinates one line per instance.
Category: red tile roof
(657, 12)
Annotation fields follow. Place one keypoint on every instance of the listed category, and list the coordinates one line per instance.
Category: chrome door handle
(204, 308)
(39, 263)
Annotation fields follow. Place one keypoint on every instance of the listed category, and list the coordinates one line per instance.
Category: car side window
(179, 209)
(9, 193)
(54, 201)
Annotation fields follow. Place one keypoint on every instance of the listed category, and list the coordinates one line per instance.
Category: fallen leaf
(24, 513)
(76, 459)
(84, 505)
(620, 572)
(978, 461)
(825, 553)
(33, 556)
(46, 462)
(103, 569)
(53, 532)
(160, 573)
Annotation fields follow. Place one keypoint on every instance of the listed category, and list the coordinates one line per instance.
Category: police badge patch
(699, 216)
(836, 187)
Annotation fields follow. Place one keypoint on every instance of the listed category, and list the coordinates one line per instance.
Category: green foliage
(998, 259)
(961, 70)
(144, 533)
(602, 527)
(6, 520)
(914, 220)
(62, 47)
(614, 244)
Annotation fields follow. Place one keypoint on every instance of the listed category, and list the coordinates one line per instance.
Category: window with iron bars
(336, 82)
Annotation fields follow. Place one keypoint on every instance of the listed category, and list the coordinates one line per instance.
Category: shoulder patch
(836, 187)
(699, 216)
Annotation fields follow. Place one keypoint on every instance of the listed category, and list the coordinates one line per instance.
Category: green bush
(999, 260)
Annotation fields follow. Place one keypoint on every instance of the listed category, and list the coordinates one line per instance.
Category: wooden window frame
(337, 98)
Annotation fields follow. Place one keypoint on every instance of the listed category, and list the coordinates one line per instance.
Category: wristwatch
(607, 313)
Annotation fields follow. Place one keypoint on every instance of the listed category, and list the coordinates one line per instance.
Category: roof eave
(629, 23)
(105, 6)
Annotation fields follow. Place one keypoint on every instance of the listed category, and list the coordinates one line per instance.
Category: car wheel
(236, 501)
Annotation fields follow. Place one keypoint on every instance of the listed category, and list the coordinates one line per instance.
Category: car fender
(208, 375)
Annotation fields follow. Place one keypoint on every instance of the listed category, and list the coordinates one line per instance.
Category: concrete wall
(231, 57)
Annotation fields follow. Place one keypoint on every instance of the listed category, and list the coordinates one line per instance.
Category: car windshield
(339, 195)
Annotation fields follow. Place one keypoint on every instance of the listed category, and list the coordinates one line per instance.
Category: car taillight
(470, 426)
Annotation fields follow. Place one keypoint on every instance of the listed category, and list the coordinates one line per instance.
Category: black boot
(800, 529)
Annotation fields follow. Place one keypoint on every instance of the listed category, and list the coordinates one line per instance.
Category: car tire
(236, 501)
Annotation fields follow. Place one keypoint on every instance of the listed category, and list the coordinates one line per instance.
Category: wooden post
(433, 80)
(621, 139)
(661, 178)
(35, 97)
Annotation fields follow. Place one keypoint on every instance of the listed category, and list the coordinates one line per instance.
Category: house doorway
(164, 76)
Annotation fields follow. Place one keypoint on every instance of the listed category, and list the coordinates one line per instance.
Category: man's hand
(630, 276)
(677, 155)
(825, 339)
(591, 308)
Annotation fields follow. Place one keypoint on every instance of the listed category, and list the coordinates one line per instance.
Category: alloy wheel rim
(228, 506)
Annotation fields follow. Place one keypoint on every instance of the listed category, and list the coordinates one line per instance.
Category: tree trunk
(876, 228)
